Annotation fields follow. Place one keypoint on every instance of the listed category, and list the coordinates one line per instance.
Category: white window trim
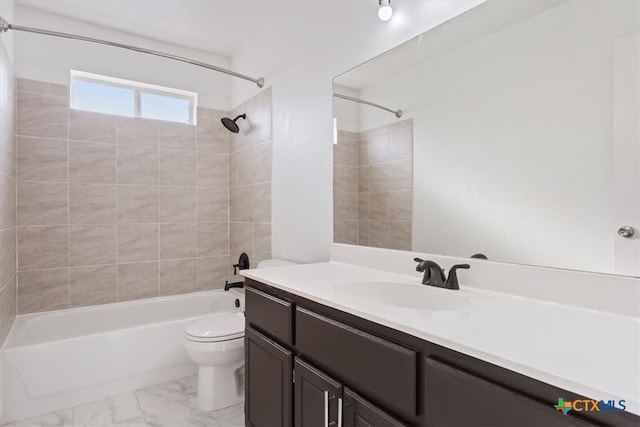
(138, 88)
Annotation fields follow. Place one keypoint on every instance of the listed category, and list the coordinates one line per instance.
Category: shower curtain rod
(398, 113)
(6, 26)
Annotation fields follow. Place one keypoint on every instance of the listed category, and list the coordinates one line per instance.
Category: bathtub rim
(27, 316)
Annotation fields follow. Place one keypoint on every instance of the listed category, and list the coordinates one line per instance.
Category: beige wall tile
(43, 88)
(261, 242)
(213, 170)
(379, 146)
(7, 144)
(400, 235)
(212, 136)
(211, 113)
(346, 150)
(178, 277)
(401, 140)
(92, 244)
(137, 203)
(7, 202)
(364, 206)
(178, 240)
(233, 204)
(93, 285)
(345, 232)
(177, 135)
(43, 247)
(138, 242)
(380, 178)
(92, 204)
(177, 168)
(8, 307)
(213, 239)
(347, 177)
(177, 204)
(401, 175)
(261, 162)
(89, 126)
(138, 165)
(262, 202)
(212, 272)
(142, 132)
(42, 115)
(364, 175)
(259, 118)
(213, 204)
(244, 203)
(245, 166)
(43, 290)
(244, 240)
(379, 234)
(43, 159)
(400, 205)
(348, 206)
(363, 233)
(379, 209)
(42, 203)
(233, 241)
(363, 151)
(233, 169)
(7, 254)
(92, 162)
(137, 281)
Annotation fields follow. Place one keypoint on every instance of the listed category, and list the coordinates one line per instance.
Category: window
(110, 95)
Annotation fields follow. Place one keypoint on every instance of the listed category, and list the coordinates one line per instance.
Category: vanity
(315, 357)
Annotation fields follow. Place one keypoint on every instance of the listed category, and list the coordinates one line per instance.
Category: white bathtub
(60, 359)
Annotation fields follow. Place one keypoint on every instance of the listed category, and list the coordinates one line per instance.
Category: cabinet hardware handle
(339, 412)
(326, 408)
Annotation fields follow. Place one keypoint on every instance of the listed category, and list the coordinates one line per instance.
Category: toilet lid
(218, 327)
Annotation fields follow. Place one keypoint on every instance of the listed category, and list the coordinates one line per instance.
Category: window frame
(138, 89)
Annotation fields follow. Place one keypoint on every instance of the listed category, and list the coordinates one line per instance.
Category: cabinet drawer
(269, 314)
(455, 397)
(384, 371)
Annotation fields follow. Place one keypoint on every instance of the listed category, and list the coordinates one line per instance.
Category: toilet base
(220, 387)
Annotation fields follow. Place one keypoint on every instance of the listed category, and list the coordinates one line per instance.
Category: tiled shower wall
(113, 208)
(7, 195)
(250, 181)
(373, 186)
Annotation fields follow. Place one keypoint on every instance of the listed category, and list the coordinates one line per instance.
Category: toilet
(216, 344)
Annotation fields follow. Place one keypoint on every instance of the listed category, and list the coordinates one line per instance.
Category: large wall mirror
(518, 138)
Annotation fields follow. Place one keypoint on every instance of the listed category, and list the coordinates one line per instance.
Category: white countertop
(592, 353)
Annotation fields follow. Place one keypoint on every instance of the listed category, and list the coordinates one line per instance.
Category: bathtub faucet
(228, 285)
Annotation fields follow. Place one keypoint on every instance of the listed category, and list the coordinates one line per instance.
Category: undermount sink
(420, 297)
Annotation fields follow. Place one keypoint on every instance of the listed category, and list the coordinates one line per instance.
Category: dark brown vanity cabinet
(311, 365)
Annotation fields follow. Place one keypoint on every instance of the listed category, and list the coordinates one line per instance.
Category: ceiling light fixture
(385, 12)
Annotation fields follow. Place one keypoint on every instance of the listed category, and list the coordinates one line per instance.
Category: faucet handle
(452, 280)
(420, 266)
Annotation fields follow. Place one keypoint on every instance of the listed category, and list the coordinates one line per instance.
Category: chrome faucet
(434, 274)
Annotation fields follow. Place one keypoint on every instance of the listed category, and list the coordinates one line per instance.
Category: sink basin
(420, 297)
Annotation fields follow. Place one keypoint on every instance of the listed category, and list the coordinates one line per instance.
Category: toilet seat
(216, 328)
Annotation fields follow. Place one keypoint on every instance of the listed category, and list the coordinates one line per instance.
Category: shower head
(231, 123)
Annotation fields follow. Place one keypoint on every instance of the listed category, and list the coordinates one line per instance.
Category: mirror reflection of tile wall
(373, 186)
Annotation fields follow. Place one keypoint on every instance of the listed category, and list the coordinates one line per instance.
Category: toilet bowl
(216, 344)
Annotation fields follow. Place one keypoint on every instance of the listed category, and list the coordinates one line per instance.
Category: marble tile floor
(172, 404)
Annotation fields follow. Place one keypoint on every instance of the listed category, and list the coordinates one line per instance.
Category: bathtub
(60, 359)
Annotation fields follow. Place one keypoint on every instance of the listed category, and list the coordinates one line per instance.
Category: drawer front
(384, 371)
(270, 315)
(455, 397)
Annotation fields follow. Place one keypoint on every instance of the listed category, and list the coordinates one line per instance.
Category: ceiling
(216, 26)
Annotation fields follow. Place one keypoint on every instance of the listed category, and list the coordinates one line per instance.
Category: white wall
(513, 140)
(7, 11)
(299, 58)
(346, 112)
(49, 58)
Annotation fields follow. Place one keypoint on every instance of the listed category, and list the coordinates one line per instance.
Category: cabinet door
(269, 382)
(360, 413)
(315, 397)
